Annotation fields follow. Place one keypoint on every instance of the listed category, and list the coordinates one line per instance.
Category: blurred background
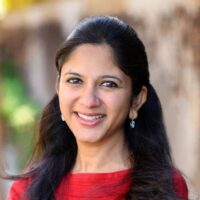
(32, 30)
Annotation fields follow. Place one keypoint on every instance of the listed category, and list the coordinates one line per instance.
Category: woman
(102, 135)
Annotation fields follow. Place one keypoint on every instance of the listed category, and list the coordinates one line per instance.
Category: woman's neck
(107, 156)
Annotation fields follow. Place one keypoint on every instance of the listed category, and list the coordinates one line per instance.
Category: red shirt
(88, 186)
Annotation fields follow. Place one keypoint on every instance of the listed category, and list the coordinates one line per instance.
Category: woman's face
(94, 94)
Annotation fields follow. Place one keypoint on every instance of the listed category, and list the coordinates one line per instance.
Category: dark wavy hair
(147, 142)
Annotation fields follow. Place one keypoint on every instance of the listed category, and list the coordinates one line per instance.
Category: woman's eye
(109, 84)
(74, 81)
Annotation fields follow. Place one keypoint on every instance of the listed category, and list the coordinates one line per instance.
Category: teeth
(91, 118)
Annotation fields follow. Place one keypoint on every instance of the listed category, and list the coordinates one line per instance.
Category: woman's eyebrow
(72, 73)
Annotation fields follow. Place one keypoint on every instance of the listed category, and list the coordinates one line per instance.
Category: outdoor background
(32, 30)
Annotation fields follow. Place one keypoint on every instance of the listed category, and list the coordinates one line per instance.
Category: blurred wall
(170, 30)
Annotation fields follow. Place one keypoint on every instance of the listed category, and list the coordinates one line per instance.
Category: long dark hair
(147, 142)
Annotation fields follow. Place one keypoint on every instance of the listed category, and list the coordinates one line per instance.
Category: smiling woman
(102, 136)
(100, 98)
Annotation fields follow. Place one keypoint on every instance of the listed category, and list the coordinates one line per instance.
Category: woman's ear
(138, 102)
(57, 84)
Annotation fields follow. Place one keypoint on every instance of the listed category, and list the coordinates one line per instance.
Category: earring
(132, 123)
(62, 118)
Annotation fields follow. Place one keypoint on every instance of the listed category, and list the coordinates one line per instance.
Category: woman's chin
(88, 139)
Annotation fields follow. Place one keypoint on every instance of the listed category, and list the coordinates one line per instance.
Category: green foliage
(18, 110)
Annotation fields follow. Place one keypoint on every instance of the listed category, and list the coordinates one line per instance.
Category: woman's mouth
(89, 119)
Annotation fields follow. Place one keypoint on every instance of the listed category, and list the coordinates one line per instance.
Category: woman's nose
(89, 97)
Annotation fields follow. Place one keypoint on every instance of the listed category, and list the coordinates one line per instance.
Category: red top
(101, 186)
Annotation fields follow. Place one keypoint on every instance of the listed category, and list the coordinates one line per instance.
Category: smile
(90, 117)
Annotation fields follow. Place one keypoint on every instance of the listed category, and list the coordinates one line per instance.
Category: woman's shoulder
(180, 185)
(18, 188)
